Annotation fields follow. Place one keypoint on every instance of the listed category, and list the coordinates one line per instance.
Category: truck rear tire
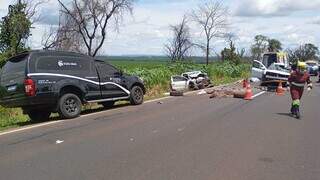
(136, 95)
(39, 115)
(69, 106)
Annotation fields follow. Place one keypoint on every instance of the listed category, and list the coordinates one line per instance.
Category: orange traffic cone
(249, 93)
(280, 90)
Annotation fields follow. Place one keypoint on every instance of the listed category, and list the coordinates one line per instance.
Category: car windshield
(178, 78)
(311, 64)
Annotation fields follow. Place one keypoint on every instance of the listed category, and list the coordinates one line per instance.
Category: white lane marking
(259, 94)
(59, 141)
(30, 127)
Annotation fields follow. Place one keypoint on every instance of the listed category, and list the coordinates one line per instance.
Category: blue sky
(294, 22)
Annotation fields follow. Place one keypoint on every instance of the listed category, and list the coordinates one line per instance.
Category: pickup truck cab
(275, 72)
(42, 82)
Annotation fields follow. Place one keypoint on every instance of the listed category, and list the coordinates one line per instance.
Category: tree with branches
(212, 18)
(178, 49)
(303, 53)
(64, 37)
(232, 53)
(91, 19)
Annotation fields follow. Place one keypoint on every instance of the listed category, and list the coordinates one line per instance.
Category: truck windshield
(269, 59)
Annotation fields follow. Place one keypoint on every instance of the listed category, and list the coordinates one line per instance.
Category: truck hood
(277, 72)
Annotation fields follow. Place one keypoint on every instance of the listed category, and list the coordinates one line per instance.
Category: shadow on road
(288, 115)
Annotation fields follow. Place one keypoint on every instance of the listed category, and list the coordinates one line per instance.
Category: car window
(62, 64)
(256, 65)
(106, 69)
(311, 64)
(15, 68)
(178, 78)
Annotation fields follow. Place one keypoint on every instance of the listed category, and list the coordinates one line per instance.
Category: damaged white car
(190, 81)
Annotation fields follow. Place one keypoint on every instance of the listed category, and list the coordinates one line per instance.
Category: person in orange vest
(297, 80)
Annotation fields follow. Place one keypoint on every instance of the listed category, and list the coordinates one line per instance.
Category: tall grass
(160, 74)
(11, 117)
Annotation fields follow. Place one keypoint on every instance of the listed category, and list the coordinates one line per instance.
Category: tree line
(212, 18)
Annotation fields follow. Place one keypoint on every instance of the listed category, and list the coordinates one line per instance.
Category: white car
(179, 83)
(276, 71)
(198, 78)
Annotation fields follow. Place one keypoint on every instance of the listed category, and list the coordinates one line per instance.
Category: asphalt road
(187, 138)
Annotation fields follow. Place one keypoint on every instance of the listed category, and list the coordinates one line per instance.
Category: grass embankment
(156, 76)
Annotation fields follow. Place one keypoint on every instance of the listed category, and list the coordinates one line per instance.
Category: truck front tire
(136, 95)
(69, 106)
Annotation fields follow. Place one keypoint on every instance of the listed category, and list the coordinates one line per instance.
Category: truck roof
(50, 52)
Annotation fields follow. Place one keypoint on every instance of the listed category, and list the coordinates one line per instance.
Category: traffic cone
(280, 90)
(249, 93)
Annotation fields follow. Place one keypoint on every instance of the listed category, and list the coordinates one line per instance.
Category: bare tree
(212, 18)
(31, 9)
(92, 17)
(178, 49)
(64, 37)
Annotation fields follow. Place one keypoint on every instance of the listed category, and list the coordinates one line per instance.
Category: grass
(156, 75)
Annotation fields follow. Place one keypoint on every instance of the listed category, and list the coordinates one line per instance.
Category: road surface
(187, 138)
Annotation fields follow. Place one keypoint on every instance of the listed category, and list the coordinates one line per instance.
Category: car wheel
(69, 106)
(108, 104)
(39, 115)
(136, 95)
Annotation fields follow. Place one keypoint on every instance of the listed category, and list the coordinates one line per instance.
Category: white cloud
(271, 8)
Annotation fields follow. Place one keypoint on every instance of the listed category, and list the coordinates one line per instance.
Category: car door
(179, 83)
(111, 81)
(258, 69)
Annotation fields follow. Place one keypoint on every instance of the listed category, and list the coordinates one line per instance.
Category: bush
(11, 117)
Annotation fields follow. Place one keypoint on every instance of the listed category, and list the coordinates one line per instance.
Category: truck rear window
(14, 68)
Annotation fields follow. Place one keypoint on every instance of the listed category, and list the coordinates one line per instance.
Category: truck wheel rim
(137, 94)
(70, 105)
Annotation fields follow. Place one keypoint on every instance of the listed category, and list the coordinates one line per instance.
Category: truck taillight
(30, 87)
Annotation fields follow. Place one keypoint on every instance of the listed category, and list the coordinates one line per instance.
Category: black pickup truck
(42, 82)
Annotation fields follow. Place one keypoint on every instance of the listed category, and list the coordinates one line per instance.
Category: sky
(293, 22)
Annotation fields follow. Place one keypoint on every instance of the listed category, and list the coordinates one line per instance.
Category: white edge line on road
(259, 94)
(29, 127)
(55, 122)
(87, 115)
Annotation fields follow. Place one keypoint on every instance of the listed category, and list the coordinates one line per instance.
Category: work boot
(298, 115)
(296, 112)
(292, 110)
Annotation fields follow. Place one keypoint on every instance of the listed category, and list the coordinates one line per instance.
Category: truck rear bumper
(43, 100)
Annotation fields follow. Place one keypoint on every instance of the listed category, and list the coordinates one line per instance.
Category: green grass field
(156, 75)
